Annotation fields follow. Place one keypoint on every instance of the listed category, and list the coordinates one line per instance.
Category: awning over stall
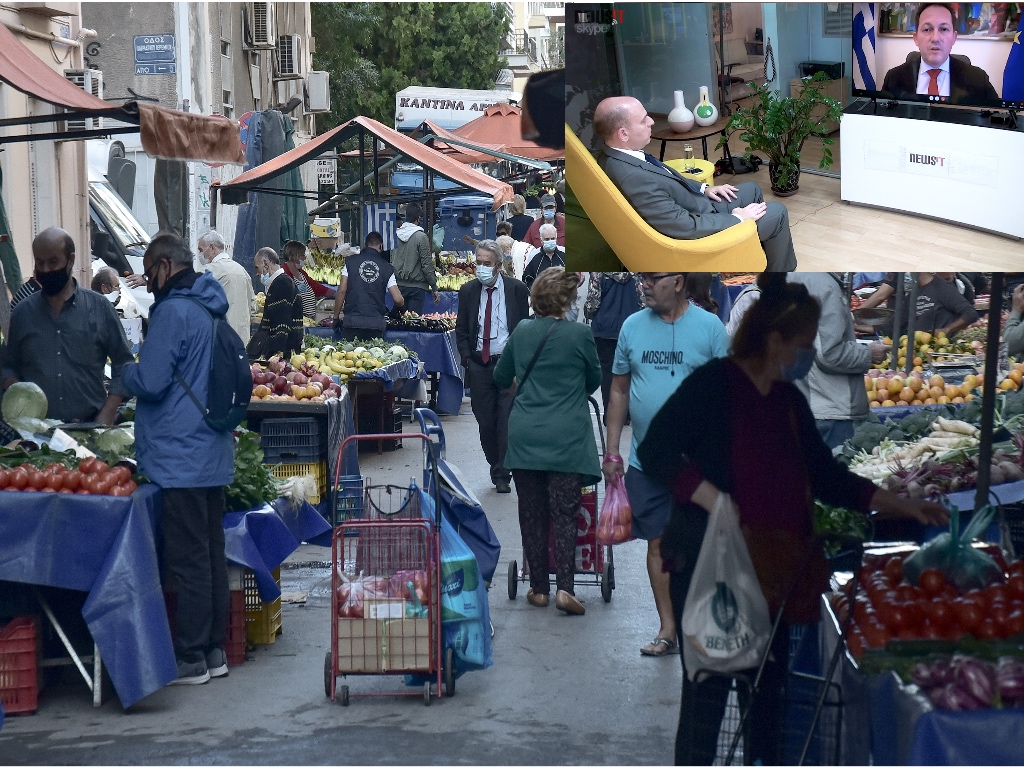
(235, 192)
(165, 133)
(499, 127)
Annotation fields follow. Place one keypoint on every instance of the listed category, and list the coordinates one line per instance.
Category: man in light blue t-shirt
(658, 347)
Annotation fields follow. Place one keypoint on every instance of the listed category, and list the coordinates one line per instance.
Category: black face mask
(52, 283)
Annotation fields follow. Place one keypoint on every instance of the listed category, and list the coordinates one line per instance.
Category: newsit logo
(598, 22)
(927, 159)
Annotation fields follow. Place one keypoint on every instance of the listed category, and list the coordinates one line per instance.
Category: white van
(117, 239)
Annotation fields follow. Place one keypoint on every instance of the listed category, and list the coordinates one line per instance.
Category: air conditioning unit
(90, 81)
(318, 92)
(289, 59)
(259, 19)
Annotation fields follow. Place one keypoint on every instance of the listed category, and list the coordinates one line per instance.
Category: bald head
(53, 243)
(622, 122)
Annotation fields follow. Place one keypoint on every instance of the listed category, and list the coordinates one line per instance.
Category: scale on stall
(953, 367)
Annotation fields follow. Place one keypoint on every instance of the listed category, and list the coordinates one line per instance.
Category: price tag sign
(325, 171)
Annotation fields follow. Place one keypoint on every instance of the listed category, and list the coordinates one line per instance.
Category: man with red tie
(490, 307)
(934, 72)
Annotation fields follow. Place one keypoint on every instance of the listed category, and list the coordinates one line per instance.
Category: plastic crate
(1014, 516)
(349, 496)
(234, 645)
(298, 438)
(262, 620)
(19, 669)
(317, 470)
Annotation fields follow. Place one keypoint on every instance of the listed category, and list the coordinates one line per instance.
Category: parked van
(117, 239)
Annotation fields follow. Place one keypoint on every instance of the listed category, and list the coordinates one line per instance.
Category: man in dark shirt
(61, 337)
(365, 280)
(941, 307)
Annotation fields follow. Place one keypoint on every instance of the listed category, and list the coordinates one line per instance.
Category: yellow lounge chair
(638, 246)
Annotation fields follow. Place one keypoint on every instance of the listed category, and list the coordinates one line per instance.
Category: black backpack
(230, 388)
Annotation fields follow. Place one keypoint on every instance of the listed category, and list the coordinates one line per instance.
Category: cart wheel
(327, 675)
(449, 672)
(607, 581)
(513, 579)
(426, 693)
(344, 696)
(609, 558)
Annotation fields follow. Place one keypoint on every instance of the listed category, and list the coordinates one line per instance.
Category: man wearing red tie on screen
(934, 72)
(490, 307)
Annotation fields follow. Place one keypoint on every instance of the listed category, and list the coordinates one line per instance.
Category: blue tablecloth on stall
(261, 539)
(899, 411)
(439, 354)
(449, 303)
(391, 374)
(1006, 493)
(105, 546)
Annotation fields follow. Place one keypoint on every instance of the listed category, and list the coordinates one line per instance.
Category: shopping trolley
(385, 586)
(595, 564)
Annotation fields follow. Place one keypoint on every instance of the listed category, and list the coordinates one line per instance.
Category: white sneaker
(217, 662)
(191, 673)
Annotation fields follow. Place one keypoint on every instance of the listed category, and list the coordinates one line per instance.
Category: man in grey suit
(674, 205)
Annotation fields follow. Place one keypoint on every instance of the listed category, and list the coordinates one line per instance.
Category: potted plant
(778, 127)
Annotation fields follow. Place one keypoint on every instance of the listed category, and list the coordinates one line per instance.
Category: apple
(298, 379)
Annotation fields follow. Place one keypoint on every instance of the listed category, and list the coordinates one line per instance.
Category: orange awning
(165, 132)
(235, 192)
(501, 124)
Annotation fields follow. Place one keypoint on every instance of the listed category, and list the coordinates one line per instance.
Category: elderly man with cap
(549, 216)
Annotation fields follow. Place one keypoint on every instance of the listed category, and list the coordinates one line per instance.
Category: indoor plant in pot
(778, 127)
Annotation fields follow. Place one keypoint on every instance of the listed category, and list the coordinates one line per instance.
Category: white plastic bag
(725, 624)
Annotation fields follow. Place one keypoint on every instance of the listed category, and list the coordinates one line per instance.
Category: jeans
(193, 536)
(414, 298)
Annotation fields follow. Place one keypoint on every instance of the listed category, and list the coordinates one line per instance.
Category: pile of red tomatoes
(887, 607)
(92, 476)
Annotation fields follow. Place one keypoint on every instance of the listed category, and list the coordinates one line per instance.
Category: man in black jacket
(935, 72)
(481, 330)
(365, 279)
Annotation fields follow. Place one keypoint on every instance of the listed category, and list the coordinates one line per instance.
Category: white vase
(705, 113)
(680, 119)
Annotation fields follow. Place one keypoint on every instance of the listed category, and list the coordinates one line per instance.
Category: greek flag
(1013, 75)
(380, 217)
(864, 46)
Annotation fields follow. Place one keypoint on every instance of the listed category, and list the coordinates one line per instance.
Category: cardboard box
(406, 645)
(359, 645)
(384, 608)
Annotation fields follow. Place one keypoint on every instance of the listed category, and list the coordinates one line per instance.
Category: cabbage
(116, 442)
(24, 399)
(398, 353)
(376, 352)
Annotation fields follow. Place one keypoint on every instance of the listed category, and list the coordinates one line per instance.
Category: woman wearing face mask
(294, 254)
(738, 425)
(280, 331)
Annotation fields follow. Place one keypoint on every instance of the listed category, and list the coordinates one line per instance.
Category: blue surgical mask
(800, 366)
(549, 213)
(265, 279)
(485, 274)
(549, 245)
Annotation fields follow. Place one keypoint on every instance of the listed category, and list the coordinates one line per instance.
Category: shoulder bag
(533, 360)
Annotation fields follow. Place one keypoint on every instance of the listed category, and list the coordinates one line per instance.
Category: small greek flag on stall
(864, 46)
(380, 217)
(1013, 75)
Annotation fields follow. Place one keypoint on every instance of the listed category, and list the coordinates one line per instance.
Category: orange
(929, 401)
(907, 395)
(957, 400)
(952, 390)
(915, 383)
(936, 391)
(888, 403)
(1015, 376)
(942, 400)
(968, 397)
(1007, 384)
(936, 381)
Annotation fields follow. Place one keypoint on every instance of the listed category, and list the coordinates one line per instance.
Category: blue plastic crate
(348, 498)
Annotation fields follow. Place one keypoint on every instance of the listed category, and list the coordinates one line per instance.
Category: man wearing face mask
(234, 279)
(549, 254)
(549, 216)
(179, 452)
(280, 331)
(105, 283)
(365, 281)
(834, 384)
(490, 307)
(62, 336)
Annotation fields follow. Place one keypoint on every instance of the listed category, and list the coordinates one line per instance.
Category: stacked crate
(262, 620)
(296, 446)
(19, 665)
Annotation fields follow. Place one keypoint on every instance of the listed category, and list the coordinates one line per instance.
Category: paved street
(563, 690)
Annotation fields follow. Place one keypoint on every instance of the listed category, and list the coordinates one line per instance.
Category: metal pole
(897, 322)
(911, 322)
(362, 182)
(988, 390)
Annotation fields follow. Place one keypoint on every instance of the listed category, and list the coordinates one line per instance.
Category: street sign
(325, 171)
(155, 55)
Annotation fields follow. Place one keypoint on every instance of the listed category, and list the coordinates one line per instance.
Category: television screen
(963, 54)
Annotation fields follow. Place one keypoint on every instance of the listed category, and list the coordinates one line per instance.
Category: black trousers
(606, 356)
(703, 703)
(414, 298)
(354, 334)
(196, 568)
(491, 407)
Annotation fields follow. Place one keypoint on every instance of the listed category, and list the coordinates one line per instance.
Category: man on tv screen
(934, 72)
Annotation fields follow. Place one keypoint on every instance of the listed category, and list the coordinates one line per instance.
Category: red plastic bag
(352, 594)
(615, 521)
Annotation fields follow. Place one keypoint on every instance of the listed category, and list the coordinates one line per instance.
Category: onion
(1010, 678)
(955, 698)
(978, 678)
(298, 379)
(276, 364)
(259, 378)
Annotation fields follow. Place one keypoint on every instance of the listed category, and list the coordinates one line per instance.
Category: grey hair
(213, 237)
(493, 247)
(269, 254)
(505, 242)
(547, 229)
(167, 245)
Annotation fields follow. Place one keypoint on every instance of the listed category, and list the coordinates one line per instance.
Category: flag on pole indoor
(1013, 75)
(864, 46)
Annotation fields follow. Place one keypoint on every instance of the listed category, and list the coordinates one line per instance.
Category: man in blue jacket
(179, 452)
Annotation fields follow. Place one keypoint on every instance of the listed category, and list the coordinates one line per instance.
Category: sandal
(660, 646)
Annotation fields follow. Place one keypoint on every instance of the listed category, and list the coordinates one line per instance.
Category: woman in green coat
(551, 448)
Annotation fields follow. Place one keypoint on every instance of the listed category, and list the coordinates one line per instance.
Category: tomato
(855, 642)
(986, 630)
(18, 479)
(1014, 587)
(30, 489)
(875, 635)
(53, 468)
(968, 614)
(131, 485)
(122, 474)
(862, 612)
(104, 482)
(85, 465)
(892, 616)
(1016, 568)
(37, 479)
(932, 581)
(120, 490)
(914, 611)
(5, 478)
(88, 484)
(54, 482)
(72, 480)
(894, 569)
(1014, 623)
(64, 490)
(47, 489)
(929, 631)
(906, 593)
(939, 612)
